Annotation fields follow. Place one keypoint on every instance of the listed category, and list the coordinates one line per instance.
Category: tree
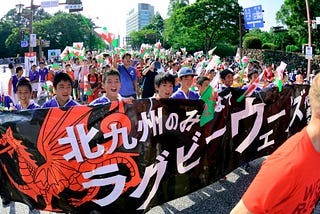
(157, 27)
(264, 36)
(293, 14)
(204, 24)
(61, 29)
(156, 23)
(176, 4)
(5, 31)
(147, 36)
(252, 42)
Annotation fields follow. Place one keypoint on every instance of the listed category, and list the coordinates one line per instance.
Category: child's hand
(128, 100)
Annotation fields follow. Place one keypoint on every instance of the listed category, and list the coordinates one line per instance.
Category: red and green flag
(209, 96)
(252, 87)
(110, 38)
(279, 76)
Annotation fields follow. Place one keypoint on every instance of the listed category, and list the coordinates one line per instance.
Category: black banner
(124, 158)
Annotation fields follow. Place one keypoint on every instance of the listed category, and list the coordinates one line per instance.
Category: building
(139, 17)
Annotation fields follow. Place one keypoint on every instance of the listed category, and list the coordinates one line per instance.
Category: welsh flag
(56, 67)
(111, 38)
(156, 50)
(100, 57)
(64, 56)
(209, 96)
(278, 80)
(75, 52)
(214, 62)
(119, 50)
(77, 45)
(252, 87)
(244, 62)
(237, 57)
(198, 54)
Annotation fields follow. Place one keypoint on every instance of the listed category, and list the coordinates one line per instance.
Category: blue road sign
(24, 44)
(253, 17)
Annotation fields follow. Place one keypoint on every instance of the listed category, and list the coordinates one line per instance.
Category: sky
(112, 13)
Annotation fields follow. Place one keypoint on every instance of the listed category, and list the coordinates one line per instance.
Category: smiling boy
(186, 79)
(111, 84)
(62, 84)
(163, 84)
(24, 90)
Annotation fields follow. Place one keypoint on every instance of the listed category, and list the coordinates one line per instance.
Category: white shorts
(34, 86)
(40, 85)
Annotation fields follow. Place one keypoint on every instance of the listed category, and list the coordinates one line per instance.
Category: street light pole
(31, 27)
(309, 37)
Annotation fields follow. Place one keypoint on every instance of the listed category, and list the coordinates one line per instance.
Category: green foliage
(293, 48)
(147, 36)
(225, 50)
(293, 14)
(176, 4)
(264, 36)
(252, 42)
(156, 23)
(269, 46)
(6, 30)
(282, 39)
(61, 29)
(203, 24)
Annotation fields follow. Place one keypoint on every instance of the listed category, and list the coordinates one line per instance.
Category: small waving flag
(278, 80)
(252, 87)
(209, 96)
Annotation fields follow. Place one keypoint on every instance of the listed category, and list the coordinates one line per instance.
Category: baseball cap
(185, 71)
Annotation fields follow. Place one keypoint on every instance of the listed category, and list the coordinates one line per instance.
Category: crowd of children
(87, 81)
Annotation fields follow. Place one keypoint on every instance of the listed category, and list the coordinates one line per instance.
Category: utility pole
(309, 37)
(31, 27)
(240, 34)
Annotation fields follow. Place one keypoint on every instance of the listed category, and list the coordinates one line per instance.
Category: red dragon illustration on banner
(49, 179)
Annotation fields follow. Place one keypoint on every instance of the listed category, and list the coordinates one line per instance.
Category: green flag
(208, 112)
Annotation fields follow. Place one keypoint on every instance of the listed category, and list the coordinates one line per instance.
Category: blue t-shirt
(176, 87)
(33, 75)
(15, 81)
(179, 94)
(127, 76)
(100, 100)
(43, 73)
(54, 103)
(6, 102)
(103, 100)
(31, 105)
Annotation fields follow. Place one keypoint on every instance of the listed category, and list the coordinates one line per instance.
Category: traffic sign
(253, 17)
(73, 6)
(24, 44)
(52, 3)
(308, 52)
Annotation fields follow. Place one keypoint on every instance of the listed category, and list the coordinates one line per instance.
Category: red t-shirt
(288, 181)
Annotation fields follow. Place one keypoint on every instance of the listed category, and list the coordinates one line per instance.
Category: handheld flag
(209, 96)
(252, 87)
(278, 80)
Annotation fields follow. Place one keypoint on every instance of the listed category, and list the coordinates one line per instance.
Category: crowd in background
(180, 76)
